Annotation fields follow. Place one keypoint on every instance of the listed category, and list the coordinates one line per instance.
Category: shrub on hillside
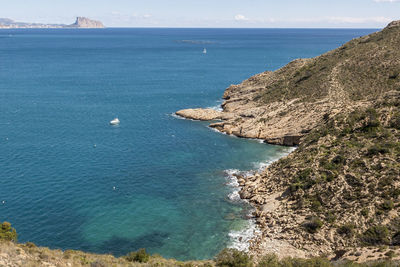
(375, 235)
(395, 121)
(7, 232)
(312, 225)
(230, 257)
(346, 230)
(271, 260)
(139, 256)
(376, 150)
(396, 239)
(387, 205)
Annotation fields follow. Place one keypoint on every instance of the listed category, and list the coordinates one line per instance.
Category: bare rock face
(203, 114)
(82, 22)
(393, 24)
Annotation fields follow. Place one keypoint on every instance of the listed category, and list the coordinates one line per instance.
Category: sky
(209, 13)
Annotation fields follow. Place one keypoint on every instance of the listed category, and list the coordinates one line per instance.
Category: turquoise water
(69, 180)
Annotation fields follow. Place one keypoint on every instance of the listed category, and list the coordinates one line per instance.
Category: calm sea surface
(69, 180)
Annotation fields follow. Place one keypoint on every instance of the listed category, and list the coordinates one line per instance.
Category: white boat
(115, 121)
(204, 51)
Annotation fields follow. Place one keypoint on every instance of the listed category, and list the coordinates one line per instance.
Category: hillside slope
(282, 106)
(338, 194)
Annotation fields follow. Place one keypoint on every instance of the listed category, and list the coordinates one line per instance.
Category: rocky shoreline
(338, 194)
(281, 248)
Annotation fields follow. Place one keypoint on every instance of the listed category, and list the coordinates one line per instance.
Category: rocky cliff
(338, 194)
(82, 22)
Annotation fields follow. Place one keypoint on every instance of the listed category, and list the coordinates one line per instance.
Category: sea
(70, 180)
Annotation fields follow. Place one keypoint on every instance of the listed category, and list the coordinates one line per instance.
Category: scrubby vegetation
(7, 232)
(341, 187)
(14, 254)
(140, 256)
(233, 258)
(366, 67)
(355, 163)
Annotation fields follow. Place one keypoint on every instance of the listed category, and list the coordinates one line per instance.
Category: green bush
(376, 235)
(315, 205)
(339, 159)
(390, 254)
(376, 150)
(7, 232)
(328, 176)
(372, 120)
(346, 230)
(313, 225)
(395, 121)
(364, 212)
(272, 260)
(396, 239)
(139, 256)
(230, 257)
(303, 180)
(269, 260)
(387, 205)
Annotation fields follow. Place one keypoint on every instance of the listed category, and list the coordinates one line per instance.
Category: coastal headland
(338, 194)
(80, 22)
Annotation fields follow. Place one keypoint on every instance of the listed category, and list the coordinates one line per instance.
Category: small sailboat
(204, 51)
(115, 121)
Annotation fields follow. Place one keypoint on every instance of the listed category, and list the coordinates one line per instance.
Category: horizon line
(194, 27)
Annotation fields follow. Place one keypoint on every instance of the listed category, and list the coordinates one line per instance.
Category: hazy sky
(208, 13)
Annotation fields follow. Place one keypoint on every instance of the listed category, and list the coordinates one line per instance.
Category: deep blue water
(60, 159)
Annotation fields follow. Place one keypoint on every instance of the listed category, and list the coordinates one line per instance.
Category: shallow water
(72, 181)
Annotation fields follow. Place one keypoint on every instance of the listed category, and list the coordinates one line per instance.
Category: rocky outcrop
(82, 22)
(202, 114)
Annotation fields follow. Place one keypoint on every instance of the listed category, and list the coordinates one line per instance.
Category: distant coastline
(80, 22)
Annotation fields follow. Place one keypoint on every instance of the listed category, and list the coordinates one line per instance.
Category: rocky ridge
(338, 194)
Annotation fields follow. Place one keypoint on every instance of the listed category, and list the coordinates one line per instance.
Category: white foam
(261, 141)
(217, 107)
(176, 116)
(260, 166)
(180, 117)
(240, 239)
(215, 130)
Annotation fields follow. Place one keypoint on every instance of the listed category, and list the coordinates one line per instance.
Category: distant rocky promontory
(81, 22)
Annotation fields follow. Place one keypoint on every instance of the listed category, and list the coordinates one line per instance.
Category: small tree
(139, 256)
(7, 232)
(230, 257)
